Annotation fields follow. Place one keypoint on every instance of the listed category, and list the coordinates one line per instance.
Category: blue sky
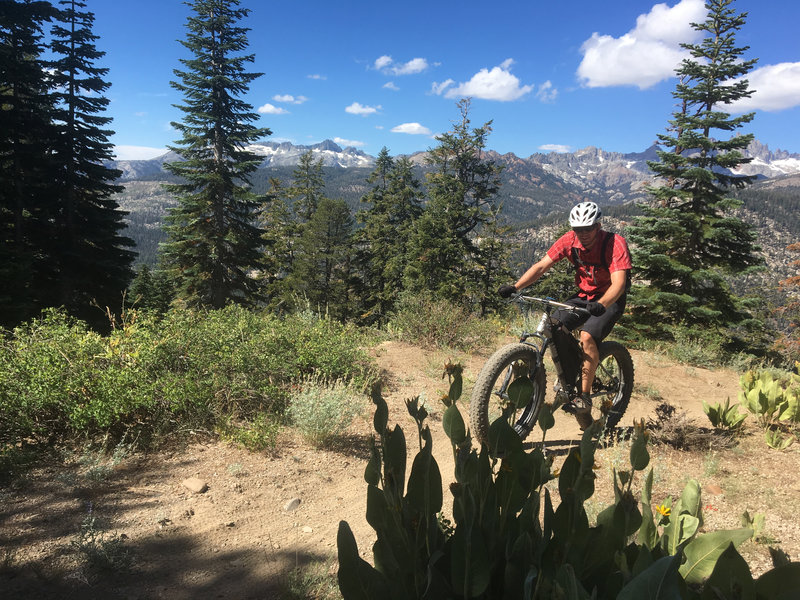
(550, 75)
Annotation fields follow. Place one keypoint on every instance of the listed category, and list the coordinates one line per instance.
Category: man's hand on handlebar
(595, 308)
(506, 291)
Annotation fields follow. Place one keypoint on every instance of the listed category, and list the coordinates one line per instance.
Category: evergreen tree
(689, 240)
(280, 241)
(27, 207)
(323, 266)
(395, 203)
(150, 290)
(492, 260)
(214, 243)
(461, 189)
(308, 187)
(90, 257)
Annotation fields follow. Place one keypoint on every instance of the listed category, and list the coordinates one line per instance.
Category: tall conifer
(395, 204)
(90, 254)
(214, 241)
(689, 239)
(462, 189)
(27, 136)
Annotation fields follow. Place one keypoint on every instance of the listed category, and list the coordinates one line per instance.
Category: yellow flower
(664, 510)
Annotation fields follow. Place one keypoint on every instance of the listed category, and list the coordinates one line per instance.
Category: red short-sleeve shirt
(591, 277)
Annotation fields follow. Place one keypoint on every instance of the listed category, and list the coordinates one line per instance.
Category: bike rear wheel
(613, 382)
(511, 384)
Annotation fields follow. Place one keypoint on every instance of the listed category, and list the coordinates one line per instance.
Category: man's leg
(591, 358)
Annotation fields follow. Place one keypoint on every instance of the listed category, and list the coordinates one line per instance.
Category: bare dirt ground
(245, 535)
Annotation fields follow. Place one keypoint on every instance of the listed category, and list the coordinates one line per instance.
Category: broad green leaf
(731, 577)
(358, 580)
(781, 583)
(469, 562)
(520, 391)
(453, 424)
(660, 581)
(702, 552)
(455, 388)
(425, 484)
(381, 418)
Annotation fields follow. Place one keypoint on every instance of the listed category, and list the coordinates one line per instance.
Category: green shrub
(322, 410)
(257, 434)
(724, 417)
(150, 377)
(435, 323)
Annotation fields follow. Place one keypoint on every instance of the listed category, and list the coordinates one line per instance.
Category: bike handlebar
(522, 299)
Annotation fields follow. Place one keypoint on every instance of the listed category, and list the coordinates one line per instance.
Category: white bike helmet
(585, 214)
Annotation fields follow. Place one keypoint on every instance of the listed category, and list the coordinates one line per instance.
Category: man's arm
(614, 292)
(535, 272)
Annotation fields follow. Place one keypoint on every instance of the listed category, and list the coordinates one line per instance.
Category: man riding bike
(602, 274)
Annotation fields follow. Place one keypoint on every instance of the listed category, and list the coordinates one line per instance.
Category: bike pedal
(569, 407)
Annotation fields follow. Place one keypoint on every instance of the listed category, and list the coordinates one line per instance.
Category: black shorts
(597, 327)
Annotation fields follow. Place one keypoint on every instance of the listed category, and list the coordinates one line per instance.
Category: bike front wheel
(613, 382)
(511, 385)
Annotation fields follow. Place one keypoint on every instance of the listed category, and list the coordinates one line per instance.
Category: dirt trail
(241, 537)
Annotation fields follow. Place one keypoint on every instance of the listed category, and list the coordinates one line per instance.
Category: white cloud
(344, 142)
(495, 84)
(438, 88)
(555, 148)
(648, 53)
(415, 65)
(391, 86)
(777, 87)
(289, 99)
(411, 128)
(317, 76)
(546, 92)
(387, 65)
(357, 108)
(270, 109)
(137, 152)
(383, 62)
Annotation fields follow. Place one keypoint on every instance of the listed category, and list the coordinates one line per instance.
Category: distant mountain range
(535, 191)
(589, 166)
(532, 187)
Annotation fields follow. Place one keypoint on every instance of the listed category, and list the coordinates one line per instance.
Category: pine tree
(461, 188)
(492, 260)
(27, 207)
(214, 243)
(395, 203)
(308, 187)
(689, 240)
(92, 262)
(150, 290)
(280, 240)
(323, 266)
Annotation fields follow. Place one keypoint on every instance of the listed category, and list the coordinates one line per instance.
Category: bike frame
(544, 336)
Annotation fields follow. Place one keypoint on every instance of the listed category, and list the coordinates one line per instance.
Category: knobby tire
(492, 382)
(613, 382)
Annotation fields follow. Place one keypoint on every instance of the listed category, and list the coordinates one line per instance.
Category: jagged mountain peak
(588, 168)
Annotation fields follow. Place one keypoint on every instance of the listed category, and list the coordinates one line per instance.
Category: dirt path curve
(263, 515)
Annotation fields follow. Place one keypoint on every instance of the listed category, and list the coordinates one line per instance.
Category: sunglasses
(583, 229)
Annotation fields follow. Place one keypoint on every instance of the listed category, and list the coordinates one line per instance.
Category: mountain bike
(512, 383)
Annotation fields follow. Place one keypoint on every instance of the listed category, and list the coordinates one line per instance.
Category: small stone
(713, 489)
(195, 485)
(307, 529)
(291, 505)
